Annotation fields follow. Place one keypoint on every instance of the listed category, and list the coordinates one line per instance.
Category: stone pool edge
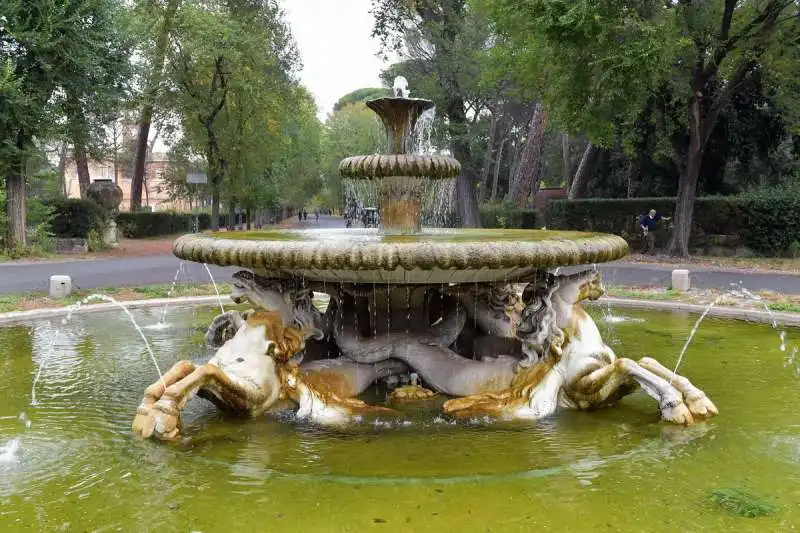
(15, 317)
(749, 315)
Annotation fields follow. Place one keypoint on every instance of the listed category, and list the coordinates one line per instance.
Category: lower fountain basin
(78, 464)
(433, 256)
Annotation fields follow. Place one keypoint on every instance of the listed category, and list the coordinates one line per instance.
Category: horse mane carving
(289, 340)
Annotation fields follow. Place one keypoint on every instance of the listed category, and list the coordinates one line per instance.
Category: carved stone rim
(385, 165)
(511, 256)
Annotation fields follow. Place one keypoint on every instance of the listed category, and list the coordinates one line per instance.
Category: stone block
(72, 246)
(680, 280)
(60, 286)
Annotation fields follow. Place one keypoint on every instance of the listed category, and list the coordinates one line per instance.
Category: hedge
(152, 224)
(74, 218)
(771, 219)
(503, 215)
(766, 220)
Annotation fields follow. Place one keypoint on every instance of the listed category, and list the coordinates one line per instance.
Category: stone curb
(750, 315)
(16, 317)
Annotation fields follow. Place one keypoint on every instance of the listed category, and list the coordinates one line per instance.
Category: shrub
(75, 217)
(152, 224)
(771, 218)
(507, 215)
(41, 239)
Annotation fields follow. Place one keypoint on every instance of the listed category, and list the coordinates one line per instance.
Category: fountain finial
(400, 87)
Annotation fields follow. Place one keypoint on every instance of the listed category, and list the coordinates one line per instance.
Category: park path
(160, 267)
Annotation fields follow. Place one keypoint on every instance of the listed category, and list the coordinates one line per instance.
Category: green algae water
(70, 463)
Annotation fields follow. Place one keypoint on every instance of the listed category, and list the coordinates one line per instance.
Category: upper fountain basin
(386, 165)
(432, 256)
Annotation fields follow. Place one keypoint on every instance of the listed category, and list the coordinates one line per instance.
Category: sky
(339, 56)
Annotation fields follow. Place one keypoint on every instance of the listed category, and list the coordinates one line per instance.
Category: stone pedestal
(680, 280)
(110, 236)
(60, 286)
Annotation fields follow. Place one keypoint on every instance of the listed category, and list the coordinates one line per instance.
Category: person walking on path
(648, 223)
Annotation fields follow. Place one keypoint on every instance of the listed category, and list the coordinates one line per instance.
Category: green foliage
(743, 503)
(767, 219)
(360, 95)
(94, 241)
(771, 218)
(794, 250)
(143, 224)
(507, 215)
(75, 217)
(352, 130)
(247, 123)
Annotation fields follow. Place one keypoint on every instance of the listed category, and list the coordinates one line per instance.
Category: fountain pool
(77, 468)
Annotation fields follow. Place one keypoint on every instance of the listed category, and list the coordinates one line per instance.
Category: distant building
(154, 194)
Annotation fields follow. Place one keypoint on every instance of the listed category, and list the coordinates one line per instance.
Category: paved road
(19, 278)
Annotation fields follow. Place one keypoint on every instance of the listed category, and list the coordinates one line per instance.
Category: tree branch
(740, 78)
(762, 23)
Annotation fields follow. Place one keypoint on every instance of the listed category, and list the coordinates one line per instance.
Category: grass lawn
(34, 300)
(757, 264)
(773, 300)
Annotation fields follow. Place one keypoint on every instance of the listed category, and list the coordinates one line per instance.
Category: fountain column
(401, 175)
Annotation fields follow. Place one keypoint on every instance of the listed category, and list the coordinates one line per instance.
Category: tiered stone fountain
(473, 312)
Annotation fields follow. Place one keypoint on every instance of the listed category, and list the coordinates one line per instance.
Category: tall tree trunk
(82, 166)
(62, 169)
(523, 183)
(146, 115)
(497, 164)
(630, 178)
(487, 161)
(15, 200)
(584, 172)
(565, 158)
(466, 194)
(214, 203)
(687, 185)
(467, 201)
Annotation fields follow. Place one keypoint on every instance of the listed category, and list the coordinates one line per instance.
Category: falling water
(8, 451)
(358, 194)
(791, 359)
(691, 334)
(438, 203)
(219, 298)
(422, 132)
(178, 272)
(438, 200)
(64, 321)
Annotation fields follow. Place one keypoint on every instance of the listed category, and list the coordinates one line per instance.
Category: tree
(232, 69)
(50, 48)
(605, 60)
(151, 92)
(360, 95)
(523, 182)
(95, 92)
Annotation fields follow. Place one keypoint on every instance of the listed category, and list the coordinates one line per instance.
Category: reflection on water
(77, 464)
